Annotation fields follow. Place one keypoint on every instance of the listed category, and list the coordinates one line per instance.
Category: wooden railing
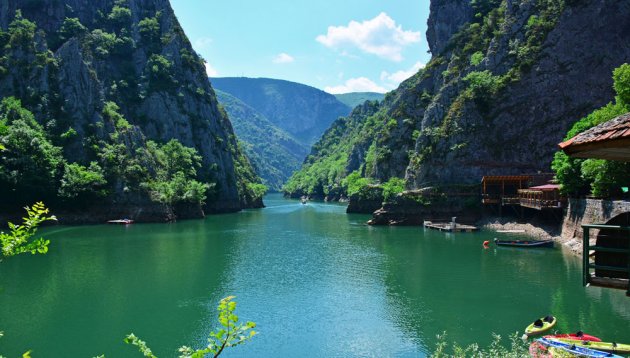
(587, 265)
(540, 203)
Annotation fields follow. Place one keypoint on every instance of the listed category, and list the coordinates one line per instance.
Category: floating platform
(447, 226)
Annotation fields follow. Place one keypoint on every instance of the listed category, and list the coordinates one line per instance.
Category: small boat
(524, 243)
(540, 326)
(601, 346)
(578, 336)
(573, 348)
(121, 221)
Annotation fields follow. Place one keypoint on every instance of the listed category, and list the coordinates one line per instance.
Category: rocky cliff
(120, 74)
(505, 82)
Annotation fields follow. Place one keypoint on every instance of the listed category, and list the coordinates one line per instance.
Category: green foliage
(176, 168)
(606, 176)
(72, 27)
(150, 31)
(392, 187)
(476, 58)
(354, 182)
(483, 84)
(21, 31)
(78, 181)
(142, 345)
(483, 7)
(621, 77)
(19, 239)
(120, 15)
(602, 178)
(518, 349)
(31, 164)
(110, 113)
(258, 190)
(178, 189)
(160, 72)
(231, 333)
(70, 133)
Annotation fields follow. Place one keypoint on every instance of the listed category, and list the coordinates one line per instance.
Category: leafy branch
(230, 334)
(18, 240)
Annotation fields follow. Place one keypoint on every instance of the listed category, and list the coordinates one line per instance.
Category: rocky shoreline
(535, 230)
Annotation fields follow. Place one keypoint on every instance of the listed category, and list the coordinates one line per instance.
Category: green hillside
(274, 153)
(356, 98)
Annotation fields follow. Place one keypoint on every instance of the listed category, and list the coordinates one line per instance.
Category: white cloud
(394, 79)
(361, 84)
(202, 43)
(283, 58)
(211, 71)
(379, 36)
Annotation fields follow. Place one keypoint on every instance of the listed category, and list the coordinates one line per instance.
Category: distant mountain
(303, 111)
(274, 153)
(357, 98)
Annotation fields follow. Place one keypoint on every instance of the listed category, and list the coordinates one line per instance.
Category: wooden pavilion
(541, 197)
(503, 189)
(611, 253)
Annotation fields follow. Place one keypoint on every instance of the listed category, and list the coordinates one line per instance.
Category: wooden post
(586, 273)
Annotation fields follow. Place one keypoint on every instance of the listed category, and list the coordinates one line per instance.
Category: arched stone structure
(589, 211)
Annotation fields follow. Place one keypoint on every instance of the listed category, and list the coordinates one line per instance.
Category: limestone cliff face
(133, 53)
(539, 96)
(446, 18)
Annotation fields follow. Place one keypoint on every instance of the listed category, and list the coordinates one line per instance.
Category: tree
(31, 164)
(601, 177)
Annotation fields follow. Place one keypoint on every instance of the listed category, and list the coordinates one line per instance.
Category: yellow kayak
(540, 326)
(600, 346)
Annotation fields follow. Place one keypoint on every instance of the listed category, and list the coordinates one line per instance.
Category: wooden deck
(446, 226)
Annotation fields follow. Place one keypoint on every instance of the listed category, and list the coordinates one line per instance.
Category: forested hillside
(274, 153)
(507, 79)
(354, 99)
(302, 111)
(106, 106)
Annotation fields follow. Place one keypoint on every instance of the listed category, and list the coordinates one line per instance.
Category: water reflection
(318, 282)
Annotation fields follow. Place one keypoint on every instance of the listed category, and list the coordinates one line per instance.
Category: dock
(450, 227)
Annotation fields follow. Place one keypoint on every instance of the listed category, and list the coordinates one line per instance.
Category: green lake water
(318, 282)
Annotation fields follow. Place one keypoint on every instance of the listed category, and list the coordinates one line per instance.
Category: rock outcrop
(135, 54)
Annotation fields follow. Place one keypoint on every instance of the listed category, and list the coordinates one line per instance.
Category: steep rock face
(135, 54)
(506, 80)
(302, 111)
(517, 130)
(446, 17)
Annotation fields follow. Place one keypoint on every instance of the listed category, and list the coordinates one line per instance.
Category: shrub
(392, 187)
(80, 181)
(476, 58)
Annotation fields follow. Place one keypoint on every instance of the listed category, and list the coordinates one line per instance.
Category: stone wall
(588, 211)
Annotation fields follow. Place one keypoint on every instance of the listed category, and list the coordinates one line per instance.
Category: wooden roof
(505, 178)
(609, 140)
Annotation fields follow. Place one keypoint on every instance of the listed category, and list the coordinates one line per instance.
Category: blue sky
(338, 46)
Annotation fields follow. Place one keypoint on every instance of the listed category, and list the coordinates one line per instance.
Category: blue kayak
(574, 349)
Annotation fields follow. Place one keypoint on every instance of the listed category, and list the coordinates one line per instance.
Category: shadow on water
(318, 283)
